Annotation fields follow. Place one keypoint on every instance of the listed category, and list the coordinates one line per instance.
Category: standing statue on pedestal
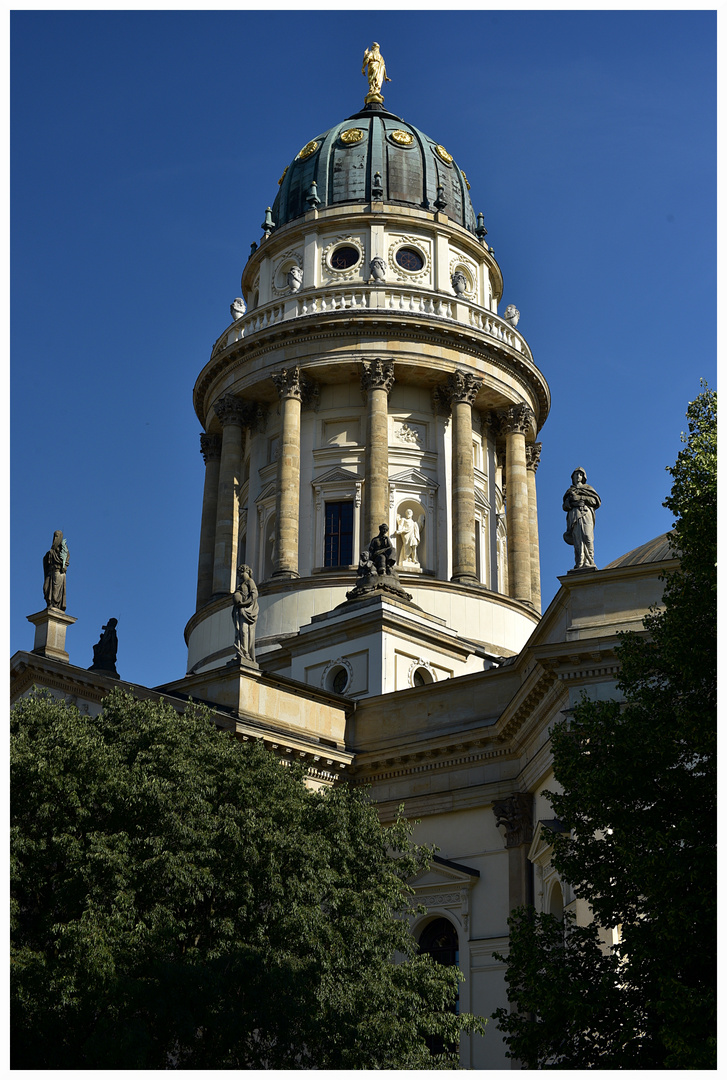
(580, 503)
(105, 650)
(407, 529)
(375, 68)
(55, 564)
(245, 611)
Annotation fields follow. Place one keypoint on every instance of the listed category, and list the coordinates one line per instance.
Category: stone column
(211, 449)
(532, 457)
(231, 412)
(376, 382)
(462, 392)
(287, 502)
(515, 423)
(515, 815)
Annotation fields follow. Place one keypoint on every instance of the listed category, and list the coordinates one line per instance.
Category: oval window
(410, 259)
(343, 258)
(339, 682)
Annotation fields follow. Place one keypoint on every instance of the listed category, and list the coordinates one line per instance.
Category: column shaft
(377, 380)
(532, 451)
(517, 508)
(229, 410)
(288, 493)
(211, 448)
(463, 390)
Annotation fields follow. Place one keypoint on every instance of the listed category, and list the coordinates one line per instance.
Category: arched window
(439, 939)
(556, 900)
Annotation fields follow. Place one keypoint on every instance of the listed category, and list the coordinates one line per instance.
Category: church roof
(414, 170)
(656, 550)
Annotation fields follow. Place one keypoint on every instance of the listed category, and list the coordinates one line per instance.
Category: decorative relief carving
(402, 138)
(377, 375)
(291, 382)
(532, 455)
(444, 154)
(463, 386)
(308, 149)
(210, 447)
(467, 271)
(412, 435)
(351, 136)
(440, 402)
(515, 815)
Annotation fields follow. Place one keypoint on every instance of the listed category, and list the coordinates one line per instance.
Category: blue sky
(145, 147)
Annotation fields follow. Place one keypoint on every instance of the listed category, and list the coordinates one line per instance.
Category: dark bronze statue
(105, 650)
(55, 565)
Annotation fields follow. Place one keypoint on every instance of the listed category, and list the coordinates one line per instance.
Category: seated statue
(381, 552)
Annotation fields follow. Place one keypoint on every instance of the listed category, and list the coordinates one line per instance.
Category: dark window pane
(338, 547)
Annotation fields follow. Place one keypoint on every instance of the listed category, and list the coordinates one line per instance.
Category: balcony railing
(374, 298)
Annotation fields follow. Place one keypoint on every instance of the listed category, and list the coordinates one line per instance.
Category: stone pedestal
(50, 633)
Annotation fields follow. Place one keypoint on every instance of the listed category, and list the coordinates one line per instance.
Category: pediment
(542, 843)
(337, 476)
(481, 501)
(415, 477)
(269, 490)
(440, 878)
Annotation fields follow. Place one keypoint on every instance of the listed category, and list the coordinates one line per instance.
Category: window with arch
(440, 939)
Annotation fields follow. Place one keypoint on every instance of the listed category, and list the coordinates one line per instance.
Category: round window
(421, 677)
(343, 258)
(409, 259)
(339, 682)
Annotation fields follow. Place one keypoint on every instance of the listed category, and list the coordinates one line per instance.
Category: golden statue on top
(374, 66)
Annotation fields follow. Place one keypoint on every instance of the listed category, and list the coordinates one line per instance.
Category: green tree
(182, 900)
(638, 782)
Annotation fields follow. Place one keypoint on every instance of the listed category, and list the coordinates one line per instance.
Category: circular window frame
(421, 666)
(349, 271)
(409, 275)
(414, 251)
(330, 673)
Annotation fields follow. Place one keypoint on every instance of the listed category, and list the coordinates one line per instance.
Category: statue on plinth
(580, 503)
(407, 529)
(294, 279)
(55, 565)
(377, 269)
(245, 611)
(237, 308)
(374, 67)
(105, 650)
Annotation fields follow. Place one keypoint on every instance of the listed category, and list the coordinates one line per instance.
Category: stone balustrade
(368, 297)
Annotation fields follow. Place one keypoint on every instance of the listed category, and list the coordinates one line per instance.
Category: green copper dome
(343, 162)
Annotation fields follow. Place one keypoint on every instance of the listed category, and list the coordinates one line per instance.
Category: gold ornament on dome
(464, 177)
(444, 154)
(308, 149)
(351, 135)
(403, 138)
(283, 176)
(374, 68)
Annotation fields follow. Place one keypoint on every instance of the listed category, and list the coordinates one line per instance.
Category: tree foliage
(182, 900)
(638, 794)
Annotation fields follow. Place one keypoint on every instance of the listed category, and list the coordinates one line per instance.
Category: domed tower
(370, 380)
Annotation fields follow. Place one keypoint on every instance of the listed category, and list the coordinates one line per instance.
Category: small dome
(344, 162)
(654, 551)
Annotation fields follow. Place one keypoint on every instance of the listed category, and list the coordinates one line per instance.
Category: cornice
(382, 324)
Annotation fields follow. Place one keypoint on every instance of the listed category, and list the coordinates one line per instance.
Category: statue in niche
(55, 565)
(407, 529)
(459, 283)
(237, 308)
(580, 503)
(377, 269)
(295, 279)
(511, 315)
(105, 649)
(245, 611)
(375, 68)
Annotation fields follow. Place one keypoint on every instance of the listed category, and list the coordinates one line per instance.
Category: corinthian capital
(210, 447)
(532, 455)
(289, 383)
(515, 815)
(517, 419)
(377, 375)
(463, 386)
(230, 410)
